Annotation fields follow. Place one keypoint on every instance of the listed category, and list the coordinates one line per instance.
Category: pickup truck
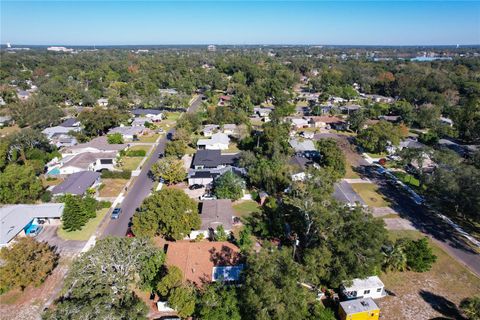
(116, 213)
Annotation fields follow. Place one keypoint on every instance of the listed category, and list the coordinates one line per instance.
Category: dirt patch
(433, 294)
(112, 187)
(30, 303)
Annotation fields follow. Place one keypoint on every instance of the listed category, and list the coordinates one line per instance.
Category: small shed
(359, 309)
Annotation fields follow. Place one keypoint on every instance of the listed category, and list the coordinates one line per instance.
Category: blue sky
(240, 22)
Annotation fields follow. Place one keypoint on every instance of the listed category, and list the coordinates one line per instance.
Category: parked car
(160, 155)
(169, 136)
(116, 213)
(196, 186)
(34, 231)
(208, 196)
(130, 233)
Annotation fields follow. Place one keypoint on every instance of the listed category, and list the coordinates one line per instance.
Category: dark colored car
(196, 186)
(169, 136)
(160, 155)
(130, 233)
(116, 213)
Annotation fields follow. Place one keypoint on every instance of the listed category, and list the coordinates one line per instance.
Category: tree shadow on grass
(442, 305)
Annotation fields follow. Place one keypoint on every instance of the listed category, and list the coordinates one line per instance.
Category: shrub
(46, 196)
(420, 257)
(125, 174)
(104, 204)
(115, 138)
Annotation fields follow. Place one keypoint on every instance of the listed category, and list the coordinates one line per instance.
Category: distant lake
(426, 59)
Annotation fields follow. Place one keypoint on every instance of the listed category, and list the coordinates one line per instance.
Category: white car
(207, 196)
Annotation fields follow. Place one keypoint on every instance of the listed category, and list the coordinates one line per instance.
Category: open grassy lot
(407, 178)
(435, 294)
(369, 194)
(172, 116)
(112, 187)
(149, 139)
(140, 147)
(86, 232)
(245, 208)
(350, 174)
(5, 131)
(130, 163)
(377, 155)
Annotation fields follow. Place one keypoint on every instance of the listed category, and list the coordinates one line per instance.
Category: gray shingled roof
(77, 183)
(215, 213)
(213, 158)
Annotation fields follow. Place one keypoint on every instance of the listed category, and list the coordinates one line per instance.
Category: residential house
(359, 309)
(214, 213)
(170, 91)
(230, 129)
(446, 121)
(87, 161)
(24, 219)
(371, 287)
(325, 122)
(129, 133)
(96, 145)
(140, 121)
(300, 166)
(218, 141)
(5, 121)
(77, 183)
(378, 98)
(302, 145)
(307, 134)
(70, 123)
(299, 123)
(263, 113)
(204, 262)
(23, 94)
(337, 100)
(61, 140)
(210, 129)
(102, 102)
(153, 114)
(224, 100)
(210, 164)
(350, 108)
(51, 131)
(2, 102)
(393, 119)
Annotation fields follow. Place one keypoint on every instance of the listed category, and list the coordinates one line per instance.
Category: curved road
(141, 187)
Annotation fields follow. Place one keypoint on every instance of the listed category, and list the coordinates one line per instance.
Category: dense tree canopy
(169, 212)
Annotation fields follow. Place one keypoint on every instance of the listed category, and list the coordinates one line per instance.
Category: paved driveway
(49, 235)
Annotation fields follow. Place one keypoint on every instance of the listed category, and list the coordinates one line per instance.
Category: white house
(210, 129)
(214, 213)
(102, 102)
(51, 131)
(153, 114)
(218, 141)
(87, 161)
(99, 144)
(299, 123)
(128, 133)
(371, 287)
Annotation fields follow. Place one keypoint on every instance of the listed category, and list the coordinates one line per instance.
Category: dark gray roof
(204, 174)
(215, 213)
(213, 158)
(77, 183)
(69, 122)
(139, 111)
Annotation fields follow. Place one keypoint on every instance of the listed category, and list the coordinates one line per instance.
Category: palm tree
(471, 307)
(395, 258)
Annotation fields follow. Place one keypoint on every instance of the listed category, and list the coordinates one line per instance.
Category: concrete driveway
(49, 235)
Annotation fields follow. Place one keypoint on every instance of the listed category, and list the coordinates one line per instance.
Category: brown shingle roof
(197, 259)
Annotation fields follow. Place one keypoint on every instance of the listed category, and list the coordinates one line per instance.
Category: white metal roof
(13, 218)
(362, 284)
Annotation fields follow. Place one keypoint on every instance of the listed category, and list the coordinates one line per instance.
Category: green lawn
(130, 163)
(377, 155)
(232, 147)
(350, 174)
(149, 139)
(245, 208)
(86, 232)
(173, 116)
(369, 193)
(5, 131)
(140, 147)
(407, 178)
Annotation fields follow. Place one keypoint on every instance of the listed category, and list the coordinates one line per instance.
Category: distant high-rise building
(212, 48)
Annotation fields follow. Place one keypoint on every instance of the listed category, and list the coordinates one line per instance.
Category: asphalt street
(141, 187)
